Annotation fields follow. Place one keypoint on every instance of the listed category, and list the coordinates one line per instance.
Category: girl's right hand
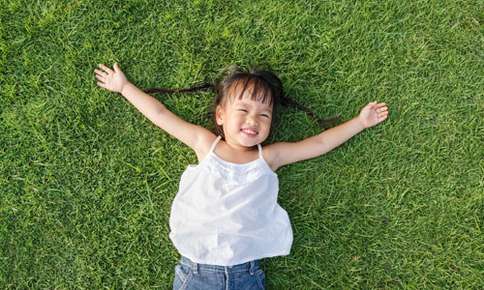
(112, 80)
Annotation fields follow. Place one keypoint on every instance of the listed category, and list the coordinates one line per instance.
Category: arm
(114, 80)
(289, 152)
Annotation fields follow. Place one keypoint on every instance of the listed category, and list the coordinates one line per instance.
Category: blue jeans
(193, 276)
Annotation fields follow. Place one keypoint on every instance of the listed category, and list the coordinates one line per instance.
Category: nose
(251, 120)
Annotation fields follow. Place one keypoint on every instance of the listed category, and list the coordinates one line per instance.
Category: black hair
(266, 87)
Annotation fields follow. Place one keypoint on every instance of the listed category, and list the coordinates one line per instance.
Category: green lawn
(86, 181)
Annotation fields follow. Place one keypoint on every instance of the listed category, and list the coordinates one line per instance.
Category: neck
(238, 147)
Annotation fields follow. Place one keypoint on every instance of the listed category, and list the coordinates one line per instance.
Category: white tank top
(227, 213)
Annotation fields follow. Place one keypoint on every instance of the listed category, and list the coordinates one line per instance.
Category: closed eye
(243, 110)
(265, 115)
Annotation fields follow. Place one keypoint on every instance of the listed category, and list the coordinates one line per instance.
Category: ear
(219, 115)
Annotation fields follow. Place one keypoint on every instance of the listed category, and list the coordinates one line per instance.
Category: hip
(192, 275)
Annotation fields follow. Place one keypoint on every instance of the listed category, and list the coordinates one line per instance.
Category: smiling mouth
(249, 132)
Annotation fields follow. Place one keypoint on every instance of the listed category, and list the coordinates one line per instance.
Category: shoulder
(270, 154)
(205, 140)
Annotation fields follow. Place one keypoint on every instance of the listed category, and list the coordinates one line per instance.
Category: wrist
(359, 122)
(122, 91)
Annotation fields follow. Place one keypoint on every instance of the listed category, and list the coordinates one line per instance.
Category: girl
(225, 217)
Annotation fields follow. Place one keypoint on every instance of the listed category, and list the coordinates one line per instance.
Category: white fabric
(227, 213)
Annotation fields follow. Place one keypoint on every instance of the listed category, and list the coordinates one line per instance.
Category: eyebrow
(246, 105)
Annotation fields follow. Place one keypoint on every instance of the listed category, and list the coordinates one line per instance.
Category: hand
(373, 114)
(112, 80)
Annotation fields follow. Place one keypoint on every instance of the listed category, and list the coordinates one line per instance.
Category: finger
(383, 115)
(116, 67)
(100, 72)
(370, 105)
(105, 68)
(102, 85)
(101, 78)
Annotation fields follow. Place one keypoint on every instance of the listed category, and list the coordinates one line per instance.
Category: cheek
(267, 122)
(235, 122)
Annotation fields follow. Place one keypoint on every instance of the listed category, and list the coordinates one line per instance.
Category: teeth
(248, 131)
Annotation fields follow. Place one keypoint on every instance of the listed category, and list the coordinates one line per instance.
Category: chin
(251, 141)
(248, 144)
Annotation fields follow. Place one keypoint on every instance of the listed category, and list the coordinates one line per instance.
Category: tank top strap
(260, 150)
(214, 143)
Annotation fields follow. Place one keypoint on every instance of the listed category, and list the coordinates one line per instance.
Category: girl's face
(245, 122)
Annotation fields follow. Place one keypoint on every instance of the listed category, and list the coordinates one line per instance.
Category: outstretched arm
(290, 152)
(114, 80)
(192, 135)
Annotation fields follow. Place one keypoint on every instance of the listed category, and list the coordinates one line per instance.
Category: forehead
(247, 102)
(250, 93)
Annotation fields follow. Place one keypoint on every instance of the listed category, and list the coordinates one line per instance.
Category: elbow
(161, 109)
(323, 145)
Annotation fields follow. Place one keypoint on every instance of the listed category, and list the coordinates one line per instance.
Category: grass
(86, 182)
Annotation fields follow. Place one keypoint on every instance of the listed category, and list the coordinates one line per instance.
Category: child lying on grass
(225, 217)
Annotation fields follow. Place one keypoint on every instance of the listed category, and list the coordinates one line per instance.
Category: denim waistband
(251, 266)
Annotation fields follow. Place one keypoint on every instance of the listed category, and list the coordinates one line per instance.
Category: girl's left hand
(373, 114)
(111, 79)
